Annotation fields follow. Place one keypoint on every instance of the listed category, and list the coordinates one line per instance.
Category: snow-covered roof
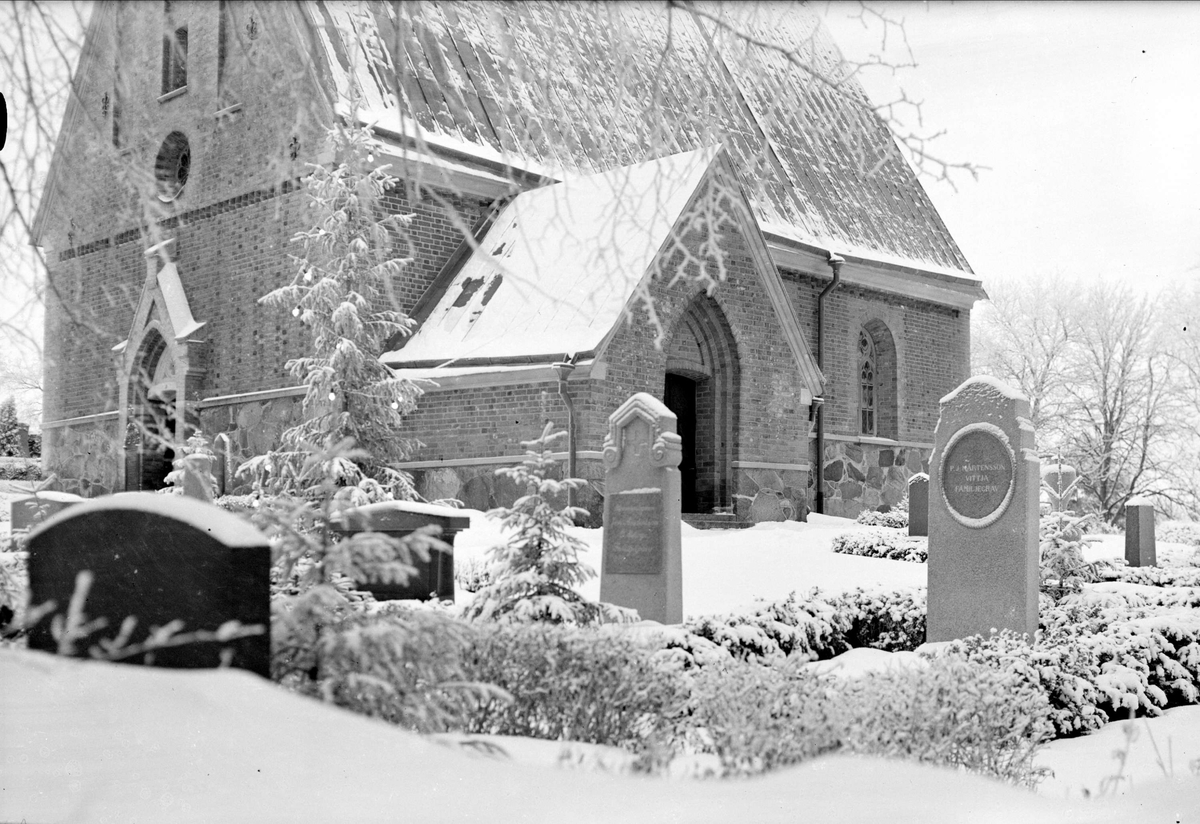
(553, 275)
(551, 86)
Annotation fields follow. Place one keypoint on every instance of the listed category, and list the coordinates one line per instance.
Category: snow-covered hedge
(1154, 576)
(891, 544)
(893, 518)
(952, 712)
(817, 626)
(1179, 532)
(1098, 660)
(574, 684)
(472, 574)
(20, 469)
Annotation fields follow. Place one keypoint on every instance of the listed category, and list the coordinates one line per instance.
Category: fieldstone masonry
(641, 566)
(983, 514)
(1139, 533)
(858, 477)
(918, 504)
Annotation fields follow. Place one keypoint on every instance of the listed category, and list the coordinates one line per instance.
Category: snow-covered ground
(726, 570)
(98, 742)
(92, 742)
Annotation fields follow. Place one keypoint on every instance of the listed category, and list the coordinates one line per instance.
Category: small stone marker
(26, 513)
(158, 558)
(399, 518)
(1139, 533)
(983, 514)
(641, 566)
(918, 504)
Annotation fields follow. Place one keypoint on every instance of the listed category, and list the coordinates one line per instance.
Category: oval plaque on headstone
(977, 475)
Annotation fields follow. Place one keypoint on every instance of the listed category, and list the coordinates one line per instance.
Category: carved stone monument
(983, 514)
(26, 513)
(157, 558)
(918, 504)
(1139, 533)
(641, 567)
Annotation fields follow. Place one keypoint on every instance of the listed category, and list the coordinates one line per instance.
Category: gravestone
(918, 504)
(983, 514)
(25, 513)
(641, 566)
(1139, 533)
(157, 558)
(399, 518)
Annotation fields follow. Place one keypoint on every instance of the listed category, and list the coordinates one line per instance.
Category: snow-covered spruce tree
(343, 452)
(535, 572)
(340, 293)
(9, 431)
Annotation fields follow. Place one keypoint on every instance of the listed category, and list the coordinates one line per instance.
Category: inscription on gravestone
(642, 565)
(983, 515)
(977, 475)
(637, 525)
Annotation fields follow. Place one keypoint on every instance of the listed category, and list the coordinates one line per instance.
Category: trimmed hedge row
(424, 670)
(891, 544)
(20, 469)
(893, 518)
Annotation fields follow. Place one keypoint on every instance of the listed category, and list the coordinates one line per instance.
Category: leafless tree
(1105, 384)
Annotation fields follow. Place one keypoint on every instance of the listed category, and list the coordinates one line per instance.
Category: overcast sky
(1088, 115)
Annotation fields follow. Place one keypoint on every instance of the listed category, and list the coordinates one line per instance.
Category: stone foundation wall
(85, 456)
(771, 494)
(480, 487)
(861, 476)
(252, 428)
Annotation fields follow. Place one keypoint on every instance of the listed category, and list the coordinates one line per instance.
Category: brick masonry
(233, 225)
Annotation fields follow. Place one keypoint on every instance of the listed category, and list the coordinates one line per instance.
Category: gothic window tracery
(867, 385)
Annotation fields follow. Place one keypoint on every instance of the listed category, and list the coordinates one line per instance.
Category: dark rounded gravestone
(977, 475)
(158, 558)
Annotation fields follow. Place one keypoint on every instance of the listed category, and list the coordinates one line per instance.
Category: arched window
(868, 388)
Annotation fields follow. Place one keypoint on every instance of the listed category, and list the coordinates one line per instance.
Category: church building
(699, 203)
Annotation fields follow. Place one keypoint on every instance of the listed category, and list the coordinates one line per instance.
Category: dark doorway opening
(679, 394)
(148, 453)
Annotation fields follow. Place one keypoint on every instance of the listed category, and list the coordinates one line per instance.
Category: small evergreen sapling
(10, 433)
(534, 574)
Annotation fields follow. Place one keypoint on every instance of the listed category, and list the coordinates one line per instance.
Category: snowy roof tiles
(554, 273)
(567, 86)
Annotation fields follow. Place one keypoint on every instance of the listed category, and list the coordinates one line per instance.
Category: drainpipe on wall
(564, 369)
(835, 263)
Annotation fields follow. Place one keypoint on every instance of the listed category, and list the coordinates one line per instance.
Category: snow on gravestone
(918, 504)
(1139, 533)
(983, 514)
(641, 565)
(25, 513)
(158, 558)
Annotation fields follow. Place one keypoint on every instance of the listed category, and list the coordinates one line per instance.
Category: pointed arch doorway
(700, 387)
(150, 428)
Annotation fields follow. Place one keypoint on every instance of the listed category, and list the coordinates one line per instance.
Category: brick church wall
(233, 224)
(932, 344)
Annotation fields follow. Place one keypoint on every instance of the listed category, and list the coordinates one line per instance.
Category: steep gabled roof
(562, 266)
(555, 271)
(593, 86)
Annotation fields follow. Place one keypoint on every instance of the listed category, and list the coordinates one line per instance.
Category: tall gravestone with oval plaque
(641, 566)
(983, 514)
